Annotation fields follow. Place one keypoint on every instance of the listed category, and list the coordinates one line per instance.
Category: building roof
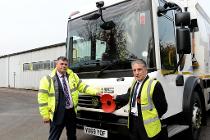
(35, 49)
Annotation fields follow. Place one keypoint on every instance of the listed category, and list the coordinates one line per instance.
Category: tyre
(195, 118)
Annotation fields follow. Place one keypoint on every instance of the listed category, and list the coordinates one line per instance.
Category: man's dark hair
(63, 58)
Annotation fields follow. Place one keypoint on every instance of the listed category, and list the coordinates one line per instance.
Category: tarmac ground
(20, 119)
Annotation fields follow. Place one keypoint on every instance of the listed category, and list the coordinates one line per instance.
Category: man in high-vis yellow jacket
(58, 98)
(147, 103)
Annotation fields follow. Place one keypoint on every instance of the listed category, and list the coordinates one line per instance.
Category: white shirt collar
(60, 75)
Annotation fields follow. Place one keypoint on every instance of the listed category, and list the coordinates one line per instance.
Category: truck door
(168, 58)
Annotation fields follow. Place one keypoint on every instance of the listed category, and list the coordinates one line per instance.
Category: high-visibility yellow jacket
(48, 92)
(150, 116)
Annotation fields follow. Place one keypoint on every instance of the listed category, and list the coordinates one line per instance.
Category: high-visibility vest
(150, 116)
(48, 92)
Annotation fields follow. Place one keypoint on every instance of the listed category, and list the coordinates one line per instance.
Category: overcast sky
(28, 24)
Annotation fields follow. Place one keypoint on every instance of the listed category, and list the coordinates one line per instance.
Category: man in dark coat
(147, 105)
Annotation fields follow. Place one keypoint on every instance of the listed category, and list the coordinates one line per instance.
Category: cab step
(175, 129)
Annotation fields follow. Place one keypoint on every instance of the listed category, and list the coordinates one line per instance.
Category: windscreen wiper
(90, 62)
(85, 64)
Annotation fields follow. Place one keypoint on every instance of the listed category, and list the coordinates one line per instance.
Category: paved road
(20, 120)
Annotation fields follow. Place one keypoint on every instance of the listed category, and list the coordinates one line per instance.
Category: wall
(4, 72)
(12, 72)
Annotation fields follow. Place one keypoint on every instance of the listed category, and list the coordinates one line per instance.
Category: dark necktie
(134, 95)
(66, 92)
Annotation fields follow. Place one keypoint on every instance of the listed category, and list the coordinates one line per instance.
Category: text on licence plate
(96, 132)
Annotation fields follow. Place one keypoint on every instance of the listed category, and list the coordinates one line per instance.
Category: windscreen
(93, 48)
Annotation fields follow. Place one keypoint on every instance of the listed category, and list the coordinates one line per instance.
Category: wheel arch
(192, 85)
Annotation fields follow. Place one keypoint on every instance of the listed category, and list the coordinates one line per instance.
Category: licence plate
(96, 132)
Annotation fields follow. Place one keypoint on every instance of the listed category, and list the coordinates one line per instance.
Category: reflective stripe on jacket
(48, 92)
(150, 117)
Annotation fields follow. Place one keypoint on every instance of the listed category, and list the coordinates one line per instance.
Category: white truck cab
(172, 37)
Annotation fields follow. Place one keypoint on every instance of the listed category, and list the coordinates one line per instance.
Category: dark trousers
(138, 132)
(69, 122)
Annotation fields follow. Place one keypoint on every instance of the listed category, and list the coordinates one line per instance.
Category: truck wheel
(196, 117)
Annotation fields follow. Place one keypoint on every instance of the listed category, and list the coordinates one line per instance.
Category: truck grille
(100, 116)
(89, 101)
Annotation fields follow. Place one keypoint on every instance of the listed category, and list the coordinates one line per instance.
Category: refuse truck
(173, 37)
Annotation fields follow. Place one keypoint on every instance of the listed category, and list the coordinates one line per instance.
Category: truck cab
(102, 43)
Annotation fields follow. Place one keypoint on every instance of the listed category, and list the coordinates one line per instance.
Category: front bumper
(107, 121)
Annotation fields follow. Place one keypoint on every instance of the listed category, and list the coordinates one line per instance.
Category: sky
(28, 24)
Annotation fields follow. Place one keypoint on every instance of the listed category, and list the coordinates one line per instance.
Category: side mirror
(183, 40)
(182, 19)
(108, 25)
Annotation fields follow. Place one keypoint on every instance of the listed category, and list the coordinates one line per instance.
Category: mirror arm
(167, 7)
(178, 64)
(172, 8)
(102, 19)
(180, 60)
(100, 12)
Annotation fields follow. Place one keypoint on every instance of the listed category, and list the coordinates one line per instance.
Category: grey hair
(63, 58)
(139, 61)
